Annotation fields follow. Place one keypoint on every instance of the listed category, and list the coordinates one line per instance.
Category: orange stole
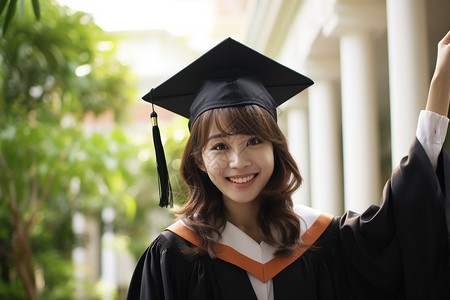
(264, 272)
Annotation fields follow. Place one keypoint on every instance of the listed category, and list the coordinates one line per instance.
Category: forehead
(220, 124)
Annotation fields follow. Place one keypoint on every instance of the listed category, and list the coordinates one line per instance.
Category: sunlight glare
(180, 17)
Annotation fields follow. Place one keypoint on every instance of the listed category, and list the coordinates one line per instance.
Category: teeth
(242, 179)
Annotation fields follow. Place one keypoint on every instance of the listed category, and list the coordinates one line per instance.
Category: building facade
(372, 61)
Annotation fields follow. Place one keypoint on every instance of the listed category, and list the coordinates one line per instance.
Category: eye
(254, 141)
(219, 146)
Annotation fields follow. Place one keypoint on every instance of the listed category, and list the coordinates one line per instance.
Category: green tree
(62, 65)
(55, 172)
(53, 72)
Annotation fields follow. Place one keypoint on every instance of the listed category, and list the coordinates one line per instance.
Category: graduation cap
(230, 74)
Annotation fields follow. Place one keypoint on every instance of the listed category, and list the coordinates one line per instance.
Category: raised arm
(439, 93)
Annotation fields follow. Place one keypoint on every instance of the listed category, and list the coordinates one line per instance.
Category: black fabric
(396, 251)
(232, 91)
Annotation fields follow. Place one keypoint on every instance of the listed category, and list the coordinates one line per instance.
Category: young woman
(238, 235)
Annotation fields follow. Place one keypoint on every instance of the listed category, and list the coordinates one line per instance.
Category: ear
(200, 165)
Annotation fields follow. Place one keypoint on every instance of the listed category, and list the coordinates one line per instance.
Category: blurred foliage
(63, 64)
(52, 73)
(145, 185)
(10, 6)
(87, 172)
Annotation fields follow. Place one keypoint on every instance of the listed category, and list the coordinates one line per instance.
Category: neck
(244, 216)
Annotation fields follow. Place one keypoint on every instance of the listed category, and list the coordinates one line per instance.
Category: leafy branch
(11, 7)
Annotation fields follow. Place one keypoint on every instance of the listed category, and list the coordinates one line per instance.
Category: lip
(243, 184)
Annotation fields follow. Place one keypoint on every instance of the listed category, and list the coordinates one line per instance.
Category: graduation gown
(396, 251)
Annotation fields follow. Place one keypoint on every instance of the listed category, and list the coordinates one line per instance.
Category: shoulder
(170, 243)
(315, 225)
(311, 218)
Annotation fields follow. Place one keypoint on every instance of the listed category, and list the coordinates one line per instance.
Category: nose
(239, 159)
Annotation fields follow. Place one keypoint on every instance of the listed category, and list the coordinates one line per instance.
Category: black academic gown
(396, 251)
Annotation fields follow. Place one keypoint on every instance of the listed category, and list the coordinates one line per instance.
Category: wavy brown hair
(204, 210)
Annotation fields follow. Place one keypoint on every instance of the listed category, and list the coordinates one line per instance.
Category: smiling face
(239, 165)
(246, 157)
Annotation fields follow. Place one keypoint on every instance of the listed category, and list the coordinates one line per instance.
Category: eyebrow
(215, 136)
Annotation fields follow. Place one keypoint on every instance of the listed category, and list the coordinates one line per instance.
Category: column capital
(323, 68)
(299, 101)
(351, 15)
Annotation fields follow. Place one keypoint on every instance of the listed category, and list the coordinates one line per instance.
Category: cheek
(214, 162)
(268, 159)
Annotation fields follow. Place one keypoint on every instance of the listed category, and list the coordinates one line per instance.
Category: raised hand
(439, 93)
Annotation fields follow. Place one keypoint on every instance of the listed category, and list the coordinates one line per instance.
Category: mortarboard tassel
(165, 189)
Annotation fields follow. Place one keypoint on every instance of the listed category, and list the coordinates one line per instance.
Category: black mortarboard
(230, 74)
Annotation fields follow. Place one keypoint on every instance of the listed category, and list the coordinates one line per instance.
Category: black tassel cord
(165, 189)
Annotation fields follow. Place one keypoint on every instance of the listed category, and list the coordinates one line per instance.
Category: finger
(446, 40)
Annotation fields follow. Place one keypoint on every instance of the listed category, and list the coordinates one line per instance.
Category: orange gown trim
(264, 272)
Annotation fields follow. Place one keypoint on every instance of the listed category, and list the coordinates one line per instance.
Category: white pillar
(325, 134)
(356, 23)
(86, 257)
(108, 256)
(79, 253)
(325, 147)
(359, 119)
(408, 70)
(298, 139)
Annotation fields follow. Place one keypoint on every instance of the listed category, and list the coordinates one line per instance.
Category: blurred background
(78, 185)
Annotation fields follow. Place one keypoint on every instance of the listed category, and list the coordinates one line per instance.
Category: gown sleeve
(164, 272)
(400, 250)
